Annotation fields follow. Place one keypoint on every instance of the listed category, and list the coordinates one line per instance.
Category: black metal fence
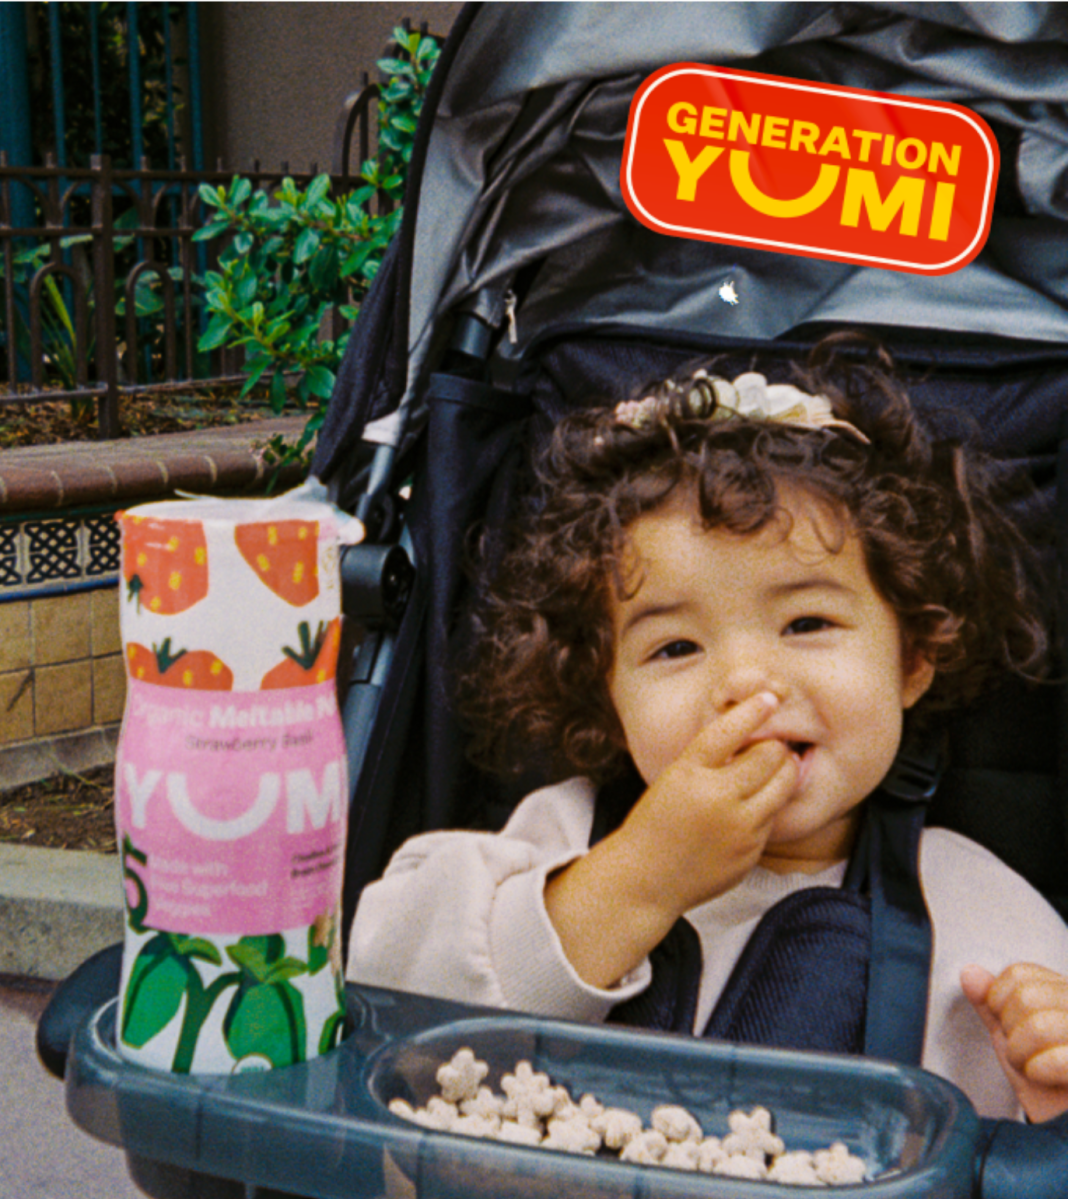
(69, 328)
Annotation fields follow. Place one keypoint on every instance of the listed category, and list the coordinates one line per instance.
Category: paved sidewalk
(45, 1155)
(57, 908)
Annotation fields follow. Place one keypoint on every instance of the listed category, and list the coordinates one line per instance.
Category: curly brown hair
(929, 514)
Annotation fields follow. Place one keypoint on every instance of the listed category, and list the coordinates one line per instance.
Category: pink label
(238, 801)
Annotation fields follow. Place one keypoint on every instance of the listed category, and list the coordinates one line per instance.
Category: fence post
(104, 284)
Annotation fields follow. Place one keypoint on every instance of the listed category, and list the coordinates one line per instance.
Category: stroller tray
(323, 1129)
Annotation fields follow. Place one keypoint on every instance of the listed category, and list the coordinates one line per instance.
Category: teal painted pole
(16, 137)
(59, 108)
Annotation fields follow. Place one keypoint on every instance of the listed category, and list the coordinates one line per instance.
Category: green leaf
(245, 292)
(154, 992)
(267, 1020)
(197, 947)
(307, 244)
(320, 381)
(209, 195)
(318, 189)
(323, 269)
(216, 334)
(393, 66)
(278, 392)
(333, 1032)
(255, 366)
(243, 242)
(240, 190)
(256, 954)
(286, 969)
(211, 230)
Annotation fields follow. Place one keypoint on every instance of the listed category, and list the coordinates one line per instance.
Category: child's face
(719, 617)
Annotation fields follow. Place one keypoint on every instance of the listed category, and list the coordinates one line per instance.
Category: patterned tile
(53, 550)
(47, 554)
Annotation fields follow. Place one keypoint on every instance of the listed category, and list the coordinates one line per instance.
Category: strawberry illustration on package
(165, 563)
(284, 555)
(314, 662)
(199, 668)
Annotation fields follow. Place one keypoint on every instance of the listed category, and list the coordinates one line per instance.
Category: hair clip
(750, 395)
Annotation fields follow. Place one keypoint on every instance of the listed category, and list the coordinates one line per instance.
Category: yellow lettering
(770, 205)
(803, 134)
(911, 148)
(750, 129)
(888, 149)
(682, 117)
(906, 197)
(774, 133)
(942, 211)
(712, 121)
(866, 138)
(690, 171)
(939, 157)
(836, 143)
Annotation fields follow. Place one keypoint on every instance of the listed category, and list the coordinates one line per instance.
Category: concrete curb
(57, 908)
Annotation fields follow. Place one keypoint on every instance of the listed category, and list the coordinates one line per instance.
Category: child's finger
(1024, 988)
(975, 983)
(753, 770)
(722, 737)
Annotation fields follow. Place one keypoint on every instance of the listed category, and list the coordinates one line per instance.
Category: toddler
(745, 590)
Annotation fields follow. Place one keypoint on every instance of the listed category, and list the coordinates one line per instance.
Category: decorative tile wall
(61, 667)
(49, 554)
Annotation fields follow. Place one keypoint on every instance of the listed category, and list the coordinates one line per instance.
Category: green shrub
(289, 262)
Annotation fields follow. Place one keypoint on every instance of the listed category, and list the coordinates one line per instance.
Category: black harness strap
(802, 979)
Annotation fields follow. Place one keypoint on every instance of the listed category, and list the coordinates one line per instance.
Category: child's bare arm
(694, 834)
(1025, 1010)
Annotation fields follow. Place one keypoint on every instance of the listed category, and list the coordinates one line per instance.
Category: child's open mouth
(800, 748)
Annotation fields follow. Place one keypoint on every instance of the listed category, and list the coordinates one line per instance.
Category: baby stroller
(518, 288)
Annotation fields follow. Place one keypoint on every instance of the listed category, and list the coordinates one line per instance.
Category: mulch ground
(53, 422)
(66, 811)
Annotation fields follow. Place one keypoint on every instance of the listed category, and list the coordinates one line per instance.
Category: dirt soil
(66, 811)
(50, 423)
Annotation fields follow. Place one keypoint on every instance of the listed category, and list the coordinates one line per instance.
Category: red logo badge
(823, 171)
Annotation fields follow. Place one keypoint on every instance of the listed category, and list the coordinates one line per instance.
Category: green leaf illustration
(158, 980)
(333, 1032)
(267, 1019)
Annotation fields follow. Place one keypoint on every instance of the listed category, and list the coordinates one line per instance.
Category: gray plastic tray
(322, 1130)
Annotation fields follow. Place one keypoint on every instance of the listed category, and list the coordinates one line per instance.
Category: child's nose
(739, 673)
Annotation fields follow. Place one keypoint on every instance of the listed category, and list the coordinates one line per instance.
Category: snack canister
(230, 784)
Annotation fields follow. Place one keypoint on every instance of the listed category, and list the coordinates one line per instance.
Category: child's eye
(808, 624)
(676, 649)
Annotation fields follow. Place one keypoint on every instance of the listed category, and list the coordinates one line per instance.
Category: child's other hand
(704, 822)
(1025, 1010)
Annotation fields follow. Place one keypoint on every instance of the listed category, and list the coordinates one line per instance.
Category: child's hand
(1025, 1010)
(695, 833)
(704, 822)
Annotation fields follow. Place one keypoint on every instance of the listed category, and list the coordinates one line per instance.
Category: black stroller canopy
(522, 167)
